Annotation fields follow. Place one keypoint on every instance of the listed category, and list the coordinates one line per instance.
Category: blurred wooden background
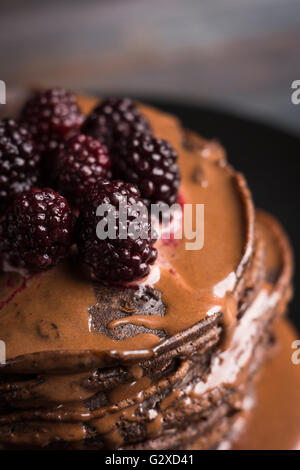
(238, 54)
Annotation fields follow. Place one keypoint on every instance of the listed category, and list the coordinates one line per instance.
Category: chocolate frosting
(56, 310)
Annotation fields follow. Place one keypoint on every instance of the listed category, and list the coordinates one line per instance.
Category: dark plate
(266, 155)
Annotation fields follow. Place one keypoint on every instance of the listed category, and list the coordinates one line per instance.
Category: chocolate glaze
(157, 365)
(203, 279)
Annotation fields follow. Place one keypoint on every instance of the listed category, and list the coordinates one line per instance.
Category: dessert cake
(173, 360)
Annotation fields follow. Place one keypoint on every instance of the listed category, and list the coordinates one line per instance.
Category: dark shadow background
(239, 54)
(223, 66)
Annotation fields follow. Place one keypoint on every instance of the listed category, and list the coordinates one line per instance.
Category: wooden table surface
(238, 54)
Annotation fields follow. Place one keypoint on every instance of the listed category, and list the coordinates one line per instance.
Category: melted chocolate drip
(114, 303)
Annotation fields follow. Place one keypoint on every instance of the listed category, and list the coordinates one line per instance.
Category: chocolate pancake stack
(163, 365)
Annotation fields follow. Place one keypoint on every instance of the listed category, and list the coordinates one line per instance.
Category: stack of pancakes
(163, 364)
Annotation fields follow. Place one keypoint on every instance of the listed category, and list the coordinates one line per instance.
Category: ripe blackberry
(114, 120)
(19, 161)
(51, 116)
(36, 231)
(119, 259)
(151, 164)
(81, 162)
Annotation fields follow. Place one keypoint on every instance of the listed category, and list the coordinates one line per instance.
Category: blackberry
(115, 259)
(151, 164)
(36, 231)
(19, 161)
(51, 116)
(81, 162)
(114, 120)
